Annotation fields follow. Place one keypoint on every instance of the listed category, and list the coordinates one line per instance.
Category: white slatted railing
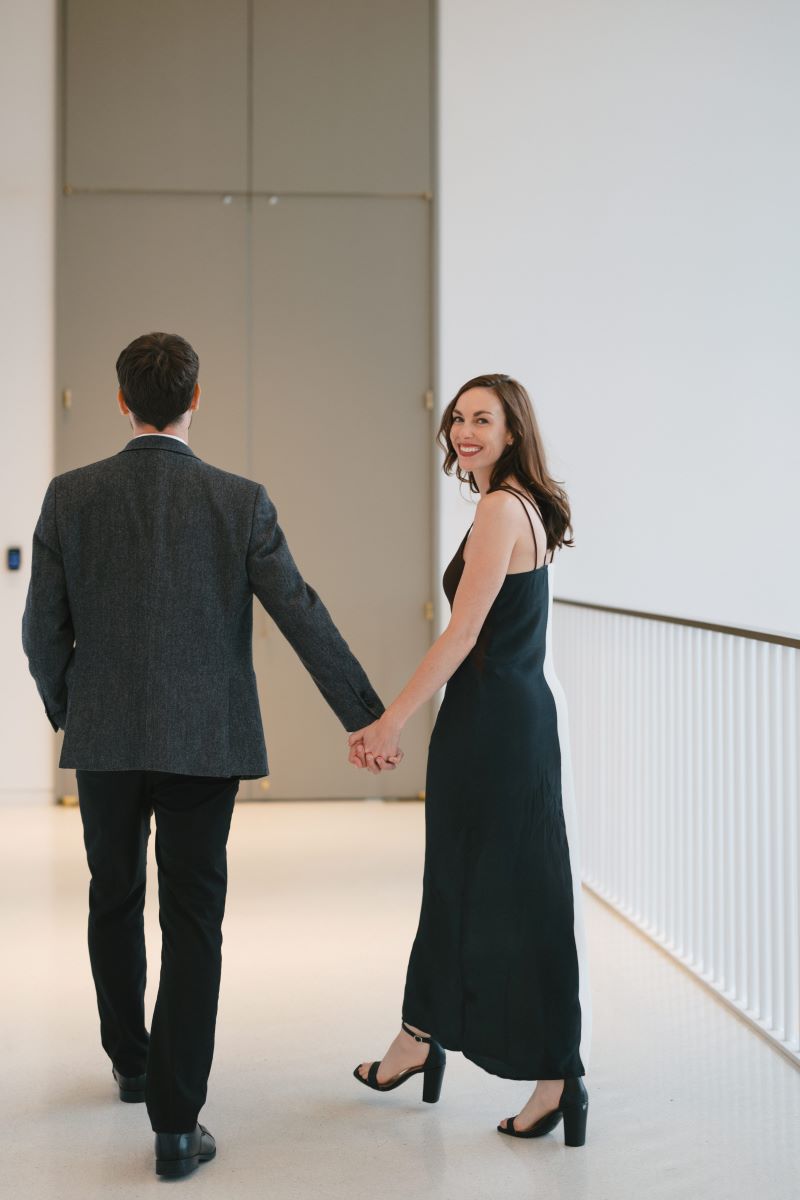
(686, 754)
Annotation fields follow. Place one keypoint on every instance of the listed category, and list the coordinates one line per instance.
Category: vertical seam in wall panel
(61, 94)
(57, 201)
(433, 319)
(248, 268)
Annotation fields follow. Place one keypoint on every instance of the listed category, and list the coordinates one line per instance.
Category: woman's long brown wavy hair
(524, 459)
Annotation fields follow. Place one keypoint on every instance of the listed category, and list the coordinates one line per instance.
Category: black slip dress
(498, 966)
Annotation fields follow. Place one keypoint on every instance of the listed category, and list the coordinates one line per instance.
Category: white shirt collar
(172, 435)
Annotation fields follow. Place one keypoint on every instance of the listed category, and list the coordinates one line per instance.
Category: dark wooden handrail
(758, 635)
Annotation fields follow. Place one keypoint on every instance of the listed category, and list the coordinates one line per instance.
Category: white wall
(27, 177)
(618, 197)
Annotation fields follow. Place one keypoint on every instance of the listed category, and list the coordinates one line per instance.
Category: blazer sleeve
(48, 637)
(305, 621)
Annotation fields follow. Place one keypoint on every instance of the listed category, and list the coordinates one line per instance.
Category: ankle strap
(416, 1036)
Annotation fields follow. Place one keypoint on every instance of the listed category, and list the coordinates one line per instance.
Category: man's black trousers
(193, 816)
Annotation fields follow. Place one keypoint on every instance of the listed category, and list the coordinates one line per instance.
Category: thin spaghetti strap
(505, 488)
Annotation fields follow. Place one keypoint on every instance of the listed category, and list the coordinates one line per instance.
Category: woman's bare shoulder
(497, 502)
(500, 502)
(495, 513)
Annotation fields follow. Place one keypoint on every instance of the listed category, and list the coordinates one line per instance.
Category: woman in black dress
(498, 965)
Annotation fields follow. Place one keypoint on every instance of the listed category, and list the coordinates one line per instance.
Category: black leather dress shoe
(131, 1087)
(182, 1153)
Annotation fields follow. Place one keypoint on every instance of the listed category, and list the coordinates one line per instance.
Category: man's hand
(357, 756)
(376, 747)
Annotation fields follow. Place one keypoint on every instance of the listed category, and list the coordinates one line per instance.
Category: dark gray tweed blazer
(139, 615)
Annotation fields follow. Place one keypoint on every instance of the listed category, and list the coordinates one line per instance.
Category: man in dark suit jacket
(138, 632)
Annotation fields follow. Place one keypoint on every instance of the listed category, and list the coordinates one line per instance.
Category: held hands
(376, 746)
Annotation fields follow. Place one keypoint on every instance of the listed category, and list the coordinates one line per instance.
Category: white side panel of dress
(571, 823)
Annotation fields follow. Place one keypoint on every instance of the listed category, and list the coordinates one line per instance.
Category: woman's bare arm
(491, 542)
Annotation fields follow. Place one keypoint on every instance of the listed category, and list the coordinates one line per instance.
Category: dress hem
(491, 1065)
(502, 1071)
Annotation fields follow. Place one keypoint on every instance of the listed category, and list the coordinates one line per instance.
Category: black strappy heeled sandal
(573, 1107)
(432, 1070)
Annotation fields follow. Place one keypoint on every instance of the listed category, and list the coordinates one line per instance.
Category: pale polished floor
(685, 1101)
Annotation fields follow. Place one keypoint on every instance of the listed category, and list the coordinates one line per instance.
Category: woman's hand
(357, 756)
(376, 746)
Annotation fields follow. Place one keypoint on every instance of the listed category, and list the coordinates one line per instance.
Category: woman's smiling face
(479, 433)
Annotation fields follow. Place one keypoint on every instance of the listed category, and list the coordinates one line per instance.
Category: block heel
(177, 1168)
(575, 1113)
(433, 1074)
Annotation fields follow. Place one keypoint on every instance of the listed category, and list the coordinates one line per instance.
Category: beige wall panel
(134, 264)
(341, 95)
(343, 442)
(156, 94)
